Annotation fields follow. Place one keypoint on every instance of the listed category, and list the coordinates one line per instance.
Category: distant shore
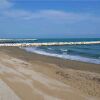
(83, 77)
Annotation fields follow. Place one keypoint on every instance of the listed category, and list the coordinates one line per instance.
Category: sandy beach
(30, 76)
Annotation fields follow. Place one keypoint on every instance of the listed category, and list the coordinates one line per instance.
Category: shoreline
(66, 57)
(28, 56)
(83, 79)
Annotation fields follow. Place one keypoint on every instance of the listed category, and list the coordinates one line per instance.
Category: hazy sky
(49, 18)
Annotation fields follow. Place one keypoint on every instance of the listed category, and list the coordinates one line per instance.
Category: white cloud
(5, 4)
(52, 15)
(60, 15)
(7, 10)
(19, 14)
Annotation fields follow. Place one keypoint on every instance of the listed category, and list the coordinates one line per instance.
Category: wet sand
(30, 76)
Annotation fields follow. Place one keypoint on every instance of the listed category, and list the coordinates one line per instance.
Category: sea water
(86, 53)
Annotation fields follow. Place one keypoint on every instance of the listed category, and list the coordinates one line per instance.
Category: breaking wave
(64, 55)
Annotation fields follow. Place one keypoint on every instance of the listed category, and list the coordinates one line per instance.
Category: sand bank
(29, 76)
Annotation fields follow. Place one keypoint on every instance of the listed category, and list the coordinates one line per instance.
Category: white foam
(65, 50)
(64, 56)
(50, 48)
(48, 43)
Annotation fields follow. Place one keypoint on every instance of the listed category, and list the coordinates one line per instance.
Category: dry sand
(27, 76)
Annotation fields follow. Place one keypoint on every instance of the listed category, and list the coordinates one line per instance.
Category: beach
(29, 76)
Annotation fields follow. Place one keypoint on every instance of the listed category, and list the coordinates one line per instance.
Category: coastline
(63, 63)
(83, 77)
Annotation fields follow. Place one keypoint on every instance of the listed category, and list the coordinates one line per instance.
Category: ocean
(86, 53)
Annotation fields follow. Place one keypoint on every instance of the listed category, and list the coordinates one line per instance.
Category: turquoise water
(86, 53)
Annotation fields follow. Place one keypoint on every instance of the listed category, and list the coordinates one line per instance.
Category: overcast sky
(49, 18)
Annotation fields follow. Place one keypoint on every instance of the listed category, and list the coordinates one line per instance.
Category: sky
(49, 18)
